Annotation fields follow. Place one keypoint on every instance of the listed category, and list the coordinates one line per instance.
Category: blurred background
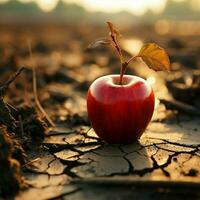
(60, 31)
(127, 12)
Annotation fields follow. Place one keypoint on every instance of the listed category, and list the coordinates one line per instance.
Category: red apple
(120, 113)
(121, 106)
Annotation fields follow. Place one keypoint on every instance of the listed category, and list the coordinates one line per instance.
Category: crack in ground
(164, 165)
(54, 148)
(156, 166)
(69, 165)
(130, 169)
(176, 143)
(142, 172)
(54, 133)
(192, 152)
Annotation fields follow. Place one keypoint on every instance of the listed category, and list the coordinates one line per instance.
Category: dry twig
(35, 87)
(10, 80)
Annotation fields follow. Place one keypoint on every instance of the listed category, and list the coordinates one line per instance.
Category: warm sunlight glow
(132, 46)
(195, 4)
(137, 7)
(45, 5)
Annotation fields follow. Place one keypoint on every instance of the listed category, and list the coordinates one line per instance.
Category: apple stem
(123, 68)
(122, 71)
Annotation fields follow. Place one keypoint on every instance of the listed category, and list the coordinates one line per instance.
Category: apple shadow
(117, 159)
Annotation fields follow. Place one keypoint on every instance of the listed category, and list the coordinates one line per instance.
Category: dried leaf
(99, 42)
(155, 57)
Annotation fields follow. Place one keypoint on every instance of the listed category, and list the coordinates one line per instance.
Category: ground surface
(72, 162)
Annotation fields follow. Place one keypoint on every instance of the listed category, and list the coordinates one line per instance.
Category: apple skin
(119, 114)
